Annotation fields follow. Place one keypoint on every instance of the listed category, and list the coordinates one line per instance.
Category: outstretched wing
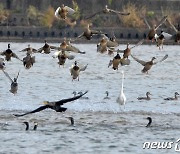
(70, 57)
(138, 60)
(139, 43)
(15, 56)
(83, 68)
(57, 12)
(7, 75)
(125, 61)
(34, 111)
(164, 58)
(61, 102)
(161, 22)
(70, 10)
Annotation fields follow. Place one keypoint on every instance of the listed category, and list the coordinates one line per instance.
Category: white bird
(122, 98)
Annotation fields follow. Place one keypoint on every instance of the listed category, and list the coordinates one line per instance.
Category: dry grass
(135, 18)
(4, 14)
(48, 18)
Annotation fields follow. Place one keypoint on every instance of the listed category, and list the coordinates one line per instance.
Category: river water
(101, 125)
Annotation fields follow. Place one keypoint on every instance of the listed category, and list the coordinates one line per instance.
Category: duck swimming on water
(176, 94)
(53, 105)
(107, 95)
(27, 125)
(150, 121)
(145, 98)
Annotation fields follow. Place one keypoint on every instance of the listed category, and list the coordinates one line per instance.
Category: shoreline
(80, 41)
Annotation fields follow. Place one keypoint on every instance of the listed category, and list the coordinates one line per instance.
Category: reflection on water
(101, 125)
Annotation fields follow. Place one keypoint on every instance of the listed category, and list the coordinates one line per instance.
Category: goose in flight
(127, 51)
(106, 10)
(88, 33)
(62, 56)
(9, 53)
(149, 64)
(63, 12)
(176, 94)
(117, 60)
(75, 70)
(122, 98)
(152, 30)
(28, 61)
(46, 48)
(14, 84)
(29, 50)
(67, 46)
(145, 98)
(56, 105)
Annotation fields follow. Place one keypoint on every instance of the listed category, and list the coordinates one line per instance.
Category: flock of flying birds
(106, 45)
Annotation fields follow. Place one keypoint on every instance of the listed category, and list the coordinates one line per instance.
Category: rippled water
(101, 126)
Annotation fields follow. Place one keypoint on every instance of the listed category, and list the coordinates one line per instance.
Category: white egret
(122, 98)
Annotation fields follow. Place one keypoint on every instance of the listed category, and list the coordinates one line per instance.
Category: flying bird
(127, 51)
(9, 53)
(117, 60)
(63, 12)
(106, 10)
(152, 30)
(88, 33)
(29, 50)
(14, 84)
(56, 105)
(149, 64)
(62, 56)
(75, 70)
(28, 61)
(46, 48)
